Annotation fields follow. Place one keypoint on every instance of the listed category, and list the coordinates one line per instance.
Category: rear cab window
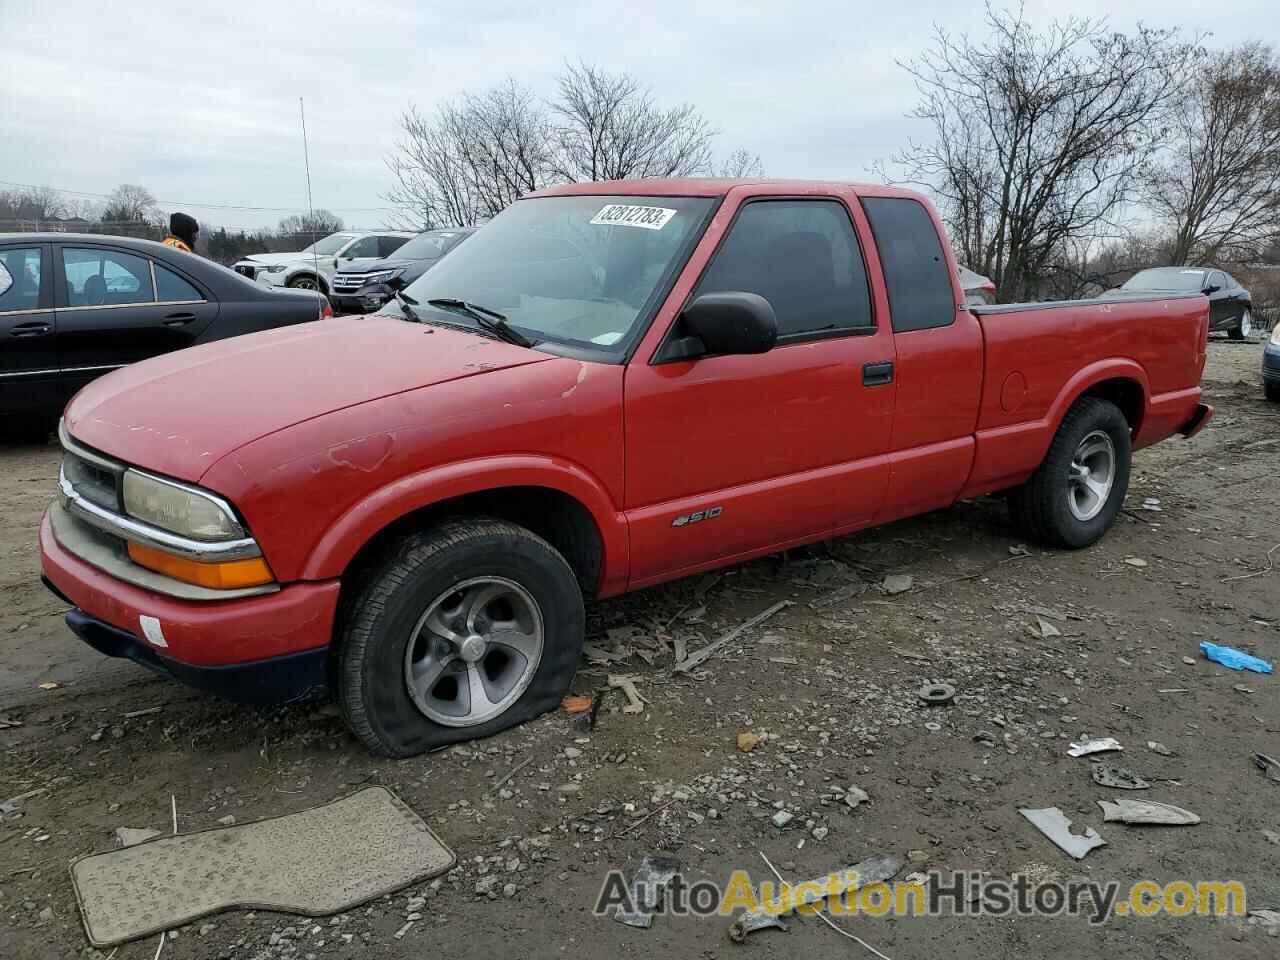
(916, 275)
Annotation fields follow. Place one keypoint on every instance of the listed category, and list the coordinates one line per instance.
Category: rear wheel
(1244, 330)
(460, 632)
(1073, 497)
(1272, 390)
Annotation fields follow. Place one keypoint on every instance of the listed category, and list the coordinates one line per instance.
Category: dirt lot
(832, 680)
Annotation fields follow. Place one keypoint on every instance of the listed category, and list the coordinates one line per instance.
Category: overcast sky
(201, 106)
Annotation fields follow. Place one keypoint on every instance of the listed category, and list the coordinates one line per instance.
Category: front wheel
(461, 632)
(1073, 497)
(1272, 391)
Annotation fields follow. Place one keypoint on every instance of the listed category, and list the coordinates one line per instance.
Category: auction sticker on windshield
(630, 215)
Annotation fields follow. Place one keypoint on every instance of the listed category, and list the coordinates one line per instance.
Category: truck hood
(180, 413)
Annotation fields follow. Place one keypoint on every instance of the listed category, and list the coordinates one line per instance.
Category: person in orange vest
(182, 232)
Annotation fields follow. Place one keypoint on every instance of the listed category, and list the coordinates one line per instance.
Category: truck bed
(1145, 354)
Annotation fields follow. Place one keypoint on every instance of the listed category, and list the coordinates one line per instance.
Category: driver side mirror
(720, 324)
(1211, 288)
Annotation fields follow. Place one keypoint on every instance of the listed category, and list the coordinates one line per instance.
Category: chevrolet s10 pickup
(610, 385)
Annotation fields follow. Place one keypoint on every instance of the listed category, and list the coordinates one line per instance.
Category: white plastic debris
(1097, 745)
(1053, 824)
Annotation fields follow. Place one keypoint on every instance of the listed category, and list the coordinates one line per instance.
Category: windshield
(1166, 278)
(427, 246)
(576, 270)
(329, 245)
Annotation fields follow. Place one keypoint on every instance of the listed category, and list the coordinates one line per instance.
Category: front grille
(247, 270)
(348, 282)
(94, 480)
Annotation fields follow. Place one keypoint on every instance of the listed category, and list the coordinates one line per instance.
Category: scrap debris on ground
(1042, 648)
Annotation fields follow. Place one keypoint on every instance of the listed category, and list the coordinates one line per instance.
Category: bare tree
(473, 158)
(482, 151)
(608, 127)
(1218, 186)
(1039, 136)
(319, 222)
(130, 203)
(741, 163)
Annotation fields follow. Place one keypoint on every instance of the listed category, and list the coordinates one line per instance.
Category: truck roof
(717, 187)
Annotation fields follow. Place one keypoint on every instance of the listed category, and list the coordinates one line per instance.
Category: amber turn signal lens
(230, 575)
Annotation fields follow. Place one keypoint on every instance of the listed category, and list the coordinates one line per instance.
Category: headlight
(179, 509)
(1275, 335)
(381, 276)
(276, 267)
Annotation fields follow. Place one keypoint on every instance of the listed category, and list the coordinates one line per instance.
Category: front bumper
(284, 679)
(1271, 363)
(185, 635)
(371, 296)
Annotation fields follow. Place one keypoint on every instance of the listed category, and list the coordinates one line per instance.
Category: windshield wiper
(407, 303)
(490, 320)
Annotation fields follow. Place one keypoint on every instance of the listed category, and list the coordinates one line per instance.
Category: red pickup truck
(609, 386)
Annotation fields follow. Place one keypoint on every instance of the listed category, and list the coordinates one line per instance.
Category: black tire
(1040, 507)
(370, 670)
(1272, 391)
(1235, 333)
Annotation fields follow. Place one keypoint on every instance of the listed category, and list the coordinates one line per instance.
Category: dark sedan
(370, 285)
(74, 306)
(1230, 306)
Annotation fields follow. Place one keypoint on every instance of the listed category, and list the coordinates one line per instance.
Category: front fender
(359, 524)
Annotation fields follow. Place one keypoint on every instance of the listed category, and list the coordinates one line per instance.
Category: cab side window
(803, 257)
(19, 279)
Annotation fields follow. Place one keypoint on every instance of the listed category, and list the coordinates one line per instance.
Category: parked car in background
(370, 285)
(73, 307)
(1230, 305)
(596, 393)
(313, 267)
(1271, 365)
(977, 288)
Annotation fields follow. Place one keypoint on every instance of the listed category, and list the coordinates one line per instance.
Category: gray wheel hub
(474, 651)
(1091, 475)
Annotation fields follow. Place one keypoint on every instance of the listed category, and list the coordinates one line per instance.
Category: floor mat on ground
(316, 862)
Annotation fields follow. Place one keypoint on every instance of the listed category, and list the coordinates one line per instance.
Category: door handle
(32, 328)
(178, 319)
(877, 374)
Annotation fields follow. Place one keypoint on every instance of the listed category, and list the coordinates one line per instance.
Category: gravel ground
(1043, 648)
